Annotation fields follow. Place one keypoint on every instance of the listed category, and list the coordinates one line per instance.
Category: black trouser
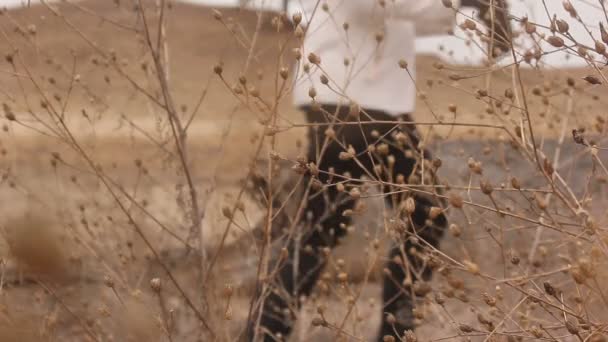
(324, 220)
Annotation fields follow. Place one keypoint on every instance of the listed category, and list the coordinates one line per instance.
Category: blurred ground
(113, 123)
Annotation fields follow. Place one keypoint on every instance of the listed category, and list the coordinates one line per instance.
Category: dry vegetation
(131, 131)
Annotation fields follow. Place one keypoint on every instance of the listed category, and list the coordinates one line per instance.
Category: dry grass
(123, 159)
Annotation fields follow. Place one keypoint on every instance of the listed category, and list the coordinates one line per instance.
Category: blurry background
(93, 65)
(453, 49)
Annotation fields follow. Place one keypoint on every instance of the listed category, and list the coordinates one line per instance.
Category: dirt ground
(126, 135)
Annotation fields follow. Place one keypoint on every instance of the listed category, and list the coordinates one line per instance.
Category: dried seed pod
(592, 79)
(284, 73)
(455, 230)
(155, 284)
(515, 183)
(410, 205)
(562, 26)
(456, 200)
(227, 212)
(486, 187)
(489, 300)
(530, 28)
(465, 328)
(469, 24)
(555, 41)
(536, 332)
(312, 92)
(410, 336)
(314, 59)
(471, 267)
(600, 47)
(355, 193)
(299, 32)
(604, 34)
(324, 80)
(318, 321)
(572, 327)
(297, 18)
(549, 289)
(447, 3)
(354, 110)
(345, 156)
(569, 8)
(403, 64)
(434, 212)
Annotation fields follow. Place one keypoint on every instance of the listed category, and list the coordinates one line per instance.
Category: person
(351, 85)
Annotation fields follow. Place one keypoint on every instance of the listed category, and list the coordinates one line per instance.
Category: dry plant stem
(82, 323)
(163, 311)
(179, 134)
(73, 143)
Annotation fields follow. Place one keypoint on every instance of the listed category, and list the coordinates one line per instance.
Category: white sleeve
(429, 17)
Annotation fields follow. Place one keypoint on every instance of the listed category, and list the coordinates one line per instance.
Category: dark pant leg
(325, 208)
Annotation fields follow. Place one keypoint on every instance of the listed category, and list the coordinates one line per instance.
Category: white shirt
(371, 75)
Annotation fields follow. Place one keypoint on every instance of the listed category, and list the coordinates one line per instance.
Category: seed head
(486, 187)
(604, 34)
(108, 281)
(549, 289)
(555, 41)
(312, 92)
(434, 212)
(465, 328)
(390, 319)
(562, 26)
(572, 327)
(469, 24)
(284, 73)
(410, 205)
(600, 47)
(455, 230)
(447, 3)
(314, 59)
(472, 267)
(299, 32)
(355, 193)
(354, 110)
(456, 200)
(489, 300)
(403, 64)
(570, 9)
(297, 18)
(155, 284)
(591, 79)
(530, 28)
(324, 79)
(227, 212)
(318, 321)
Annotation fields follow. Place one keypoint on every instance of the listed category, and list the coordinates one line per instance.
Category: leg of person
(407, 263)
(324, 224)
